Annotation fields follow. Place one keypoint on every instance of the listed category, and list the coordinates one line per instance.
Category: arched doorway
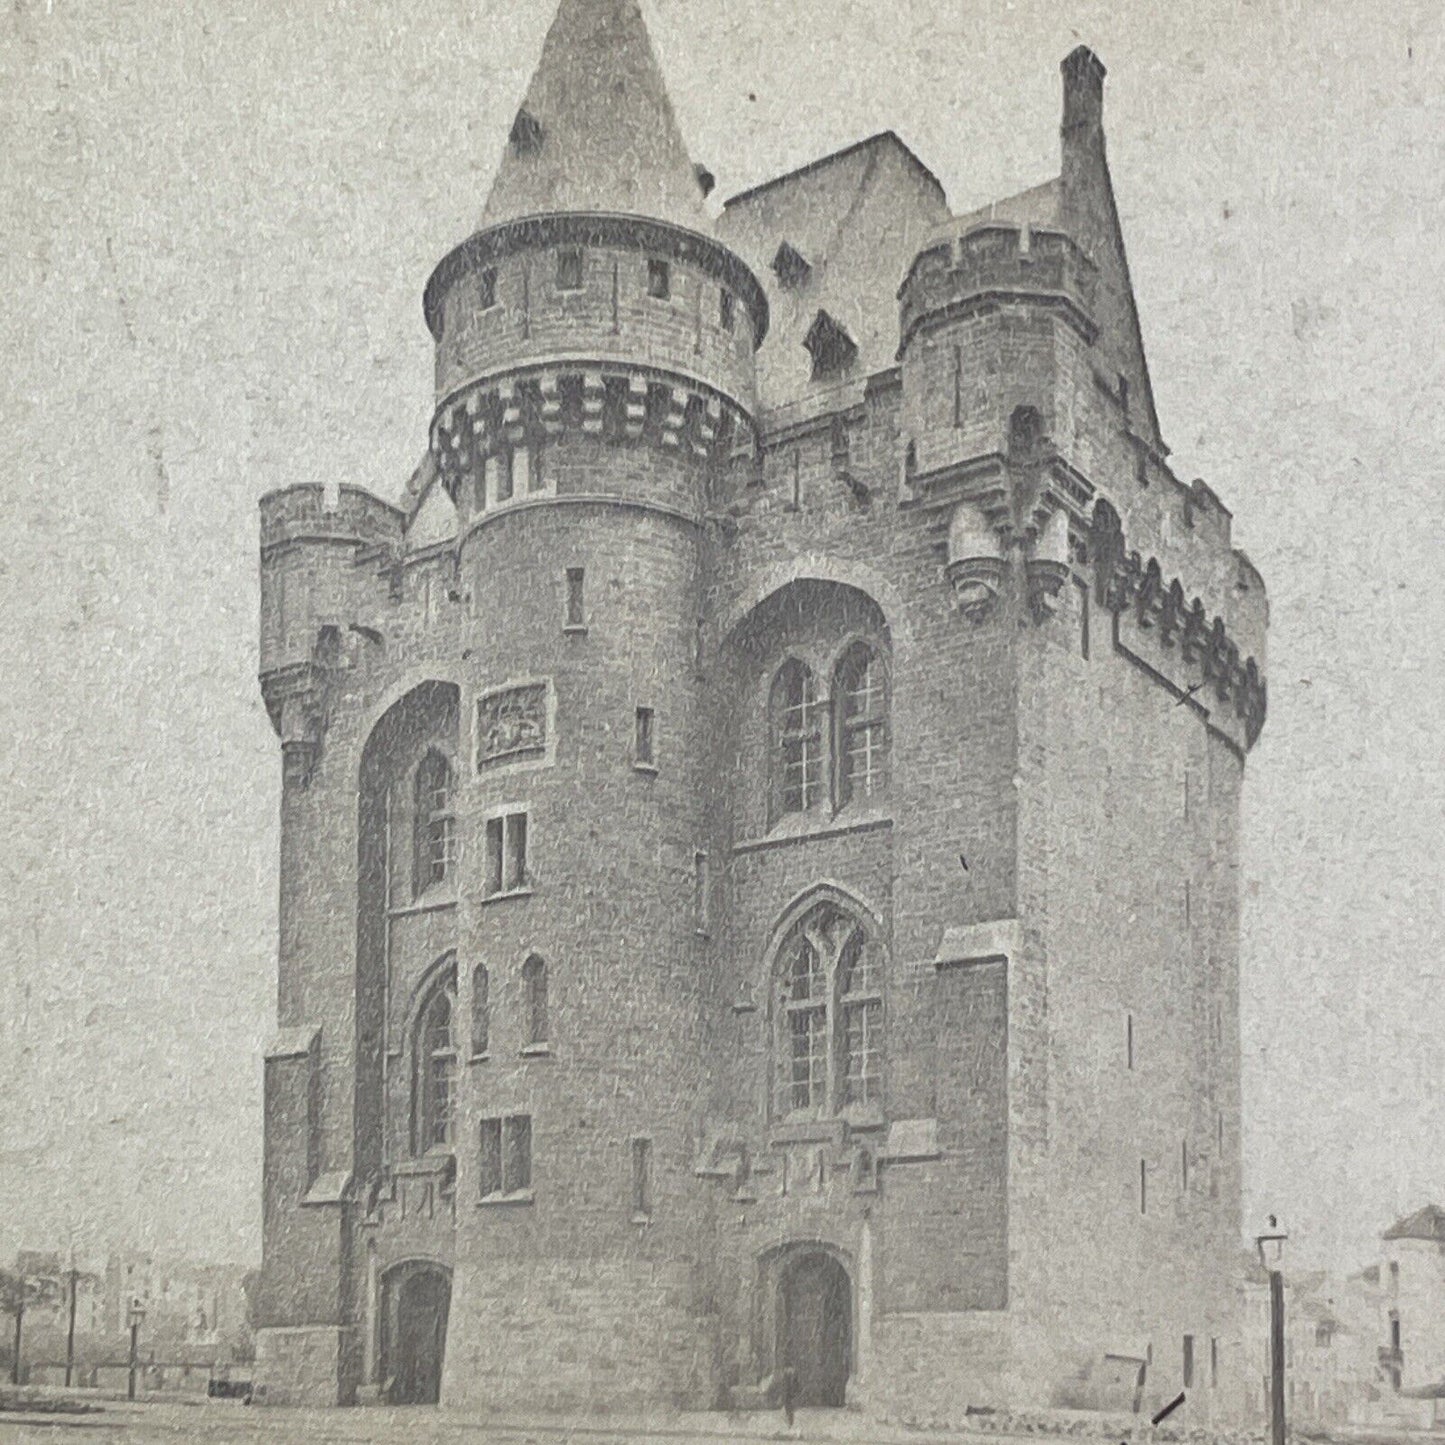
(414, 1332)
(815, 1327)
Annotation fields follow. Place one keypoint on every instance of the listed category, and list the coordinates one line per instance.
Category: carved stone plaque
(511, 724)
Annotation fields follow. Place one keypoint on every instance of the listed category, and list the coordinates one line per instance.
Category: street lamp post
(1271, 1250)
(70, 1329)
(19, 1317)
(134, 1317)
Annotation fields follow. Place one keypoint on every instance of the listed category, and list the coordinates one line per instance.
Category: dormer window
(832, 349)
(790, 267)
(526, 136)
(569, 269)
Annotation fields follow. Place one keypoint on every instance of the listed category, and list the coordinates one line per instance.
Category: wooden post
(1276, 1358)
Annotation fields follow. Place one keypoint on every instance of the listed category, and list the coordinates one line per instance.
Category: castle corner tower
(760, 808)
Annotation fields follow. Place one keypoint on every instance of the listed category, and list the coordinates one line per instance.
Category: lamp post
(1271, 1250)
(70, 1328)
(134, 1316)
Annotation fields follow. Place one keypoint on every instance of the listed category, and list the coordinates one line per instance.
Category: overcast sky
(219, 219)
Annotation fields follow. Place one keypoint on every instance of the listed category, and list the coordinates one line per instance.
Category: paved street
(221, 1423)
(227, 1423)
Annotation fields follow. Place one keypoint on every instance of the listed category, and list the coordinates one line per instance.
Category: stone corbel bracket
(586, 399)
(299, 699)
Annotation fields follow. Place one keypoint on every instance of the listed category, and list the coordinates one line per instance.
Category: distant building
(47, 1322)
(760, 812)
(1323, 1379)
(1412, 1289)
(186, 1303)
(1366, 1349)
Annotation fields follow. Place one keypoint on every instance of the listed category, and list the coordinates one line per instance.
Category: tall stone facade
(760, 812)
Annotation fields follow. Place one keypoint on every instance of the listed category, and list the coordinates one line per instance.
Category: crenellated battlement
(1127, 583)
(596, 288)
(997, 262)
(305, 514)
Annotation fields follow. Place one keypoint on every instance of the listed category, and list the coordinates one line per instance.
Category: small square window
(569, 269)
(487, 289)
(506, 1156)
(659, 279)
(644, 756)
(506, 854)
(725, 309)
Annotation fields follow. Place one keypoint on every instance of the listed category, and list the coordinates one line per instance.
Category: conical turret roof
(596, 132)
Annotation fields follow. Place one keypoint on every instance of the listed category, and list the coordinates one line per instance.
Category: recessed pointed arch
(823, 889)
(819, 567)
(420, 713)
(534, 987)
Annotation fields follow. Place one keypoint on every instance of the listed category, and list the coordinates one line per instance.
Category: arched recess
(536, 1029)
(424, 717)
(415, 1306)
(795, 699)
(818, 567)
(805, 1320)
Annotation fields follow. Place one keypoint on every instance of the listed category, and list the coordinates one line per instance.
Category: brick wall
(1060, 799)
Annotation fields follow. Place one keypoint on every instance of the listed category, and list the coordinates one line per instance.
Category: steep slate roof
(858, 218)
(1426, 1223)
(608, 140)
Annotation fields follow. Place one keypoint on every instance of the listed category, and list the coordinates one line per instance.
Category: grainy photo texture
(713, 730)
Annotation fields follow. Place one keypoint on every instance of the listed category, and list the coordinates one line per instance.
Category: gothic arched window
(481, 1010)
(860, 725)
(434, 1063)
(796, 714)
(828, 1020)
(534, 980)
(434, 823)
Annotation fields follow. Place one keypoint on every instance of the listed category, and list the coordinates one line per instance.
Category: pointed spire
(596, 132)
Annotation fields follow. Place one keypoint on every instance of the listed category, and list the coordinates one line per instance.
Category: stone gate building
(760, 813)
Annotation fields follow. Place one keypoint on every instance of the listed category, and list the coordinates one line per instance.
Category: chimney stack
(1083, 73)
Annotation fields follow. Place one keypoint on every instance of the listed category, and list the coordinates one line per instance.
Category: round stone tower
(595, 370)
